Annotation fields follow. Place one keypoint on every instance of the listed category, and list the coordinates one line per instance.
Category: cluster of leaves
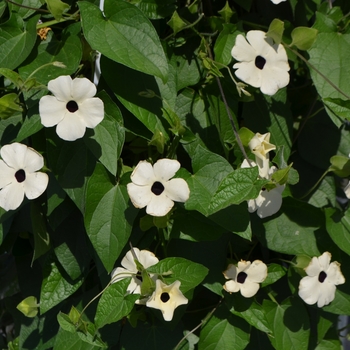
(160, 65)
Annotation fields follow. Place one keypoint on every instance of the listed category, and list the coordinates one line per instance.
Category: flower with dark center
(245, 277)
(167, 298)
(73, 107)
(130, 269)
(153, 187)
(261, 63)
(319, 285)
(19, 175)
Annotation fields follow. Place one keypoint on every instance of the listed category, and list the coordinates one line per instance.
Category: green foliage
(167, 84)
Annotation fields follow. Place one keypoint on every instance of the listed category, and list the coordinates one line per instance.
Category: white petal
(71, 127)
(242, 51)
(271, 204)
(309, 288)
(7, 174)
(257, 271)
(92, 111)
(33, 161)
(324, 260)
(314, 268)
(273, 79)
(252, 205)
(159, 205)
(51, 110)
(231, 272)
(11, 196)
(249, 289)
(147, 258)
(347, 190)
(259, 42)
(232, 286)
(177, 190)
(14, 155)
(129, 262)
(326, 294)
(334, 274)
(119, 273)
(143, 174)
(82, 88)
(61, 87)
(35, 184)
(243, 266)
(140, 196)
(165, 169)
(249, 73)
(276, 2)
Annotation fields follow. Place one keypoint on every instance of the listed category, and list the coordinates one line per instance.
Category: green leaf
(31, 125)
(276, 30)
(340, 165)
(274, 273)
(176, 23)
(107, 139)
(115, 303)
(108, 217)
(226, 13)
(41, 236)
(338, 227)
(57, 8)
(55, 287)
(135, 42)
(241, 185)
(28, 306)
(340, 305)
(189, 273)
(338, 106)
(289, 322)
(293, 231)
(332, 47)
(12, 76)
(21, 9)
(223, 330)
(224, 43)
(210, 169)
(9, 105)
(303, 37)
(68, 51)
(16, 42)
(154, 9)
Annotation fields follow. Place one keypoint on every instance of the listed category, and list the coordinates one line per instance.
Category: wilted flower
(151, 186)
(245, 277)
(129, 269)
(320, 283)
(167, 298)
(19, 175)
(72, 108)
(268, 202)
(262, 63)
(260, 146)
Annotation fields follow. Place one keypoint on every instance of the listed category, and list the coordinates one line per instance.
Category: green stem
(316, 184)
(272, 298)
(53, 22)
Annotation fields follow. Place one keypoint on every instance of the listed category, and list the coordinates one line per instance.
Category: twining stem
(317, 71)
(272, 298)
(206, 319)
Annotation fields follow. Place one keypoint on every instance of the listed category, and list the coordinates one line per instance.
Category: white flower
(347, 190)
(19, 175)
(151, 186)
(268, 202)
(129, 269)
(322, 277)
(263, 64)
(245, 277)
(72, 108)
(276, 2)
(260, 146)
(167, 298)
